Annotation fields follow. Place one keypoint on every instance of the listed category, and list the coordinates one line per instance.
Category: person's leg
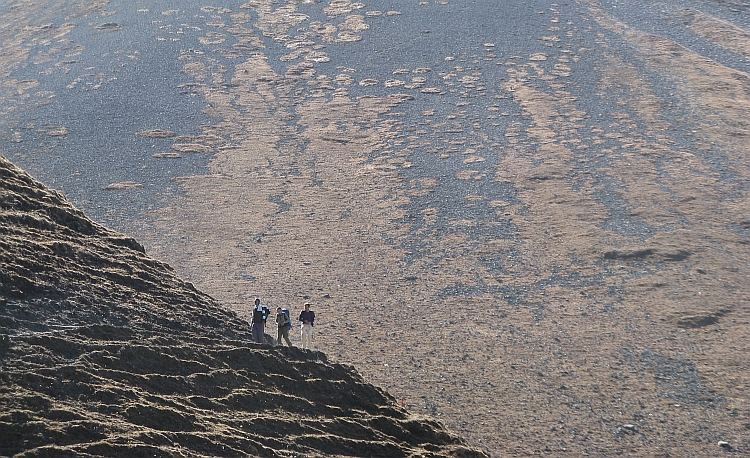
(286, 336)
(278, 336)
(308, 329)
(255, 332)
(305, 342)
(262, 333)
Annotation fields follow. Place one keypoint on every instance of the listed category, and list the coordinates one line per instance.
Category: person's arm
(312, 318)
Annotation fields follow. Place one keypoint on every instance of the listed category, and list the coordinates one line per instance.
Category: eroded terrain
(529, 221)
(105, 351)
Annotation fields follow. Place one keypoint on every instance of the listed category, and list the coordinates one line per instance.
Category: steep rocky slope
(106, 352)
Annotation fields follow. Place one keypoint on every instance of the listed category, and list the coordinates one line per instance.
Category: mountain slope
(106, 352)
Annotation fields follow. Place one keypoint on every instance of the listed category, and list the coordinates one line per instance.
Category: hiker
(282, 319)
(307, 317)
(260, 313)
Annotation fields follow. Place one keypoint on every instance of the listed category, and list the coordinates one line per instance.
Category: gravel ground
(528, 220)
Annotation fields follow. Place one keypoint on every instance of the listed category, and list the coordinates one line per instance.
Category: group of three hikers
(283, 320)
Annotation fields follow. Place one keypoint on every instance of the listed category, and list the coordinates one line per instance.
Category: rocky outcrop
(106, 352)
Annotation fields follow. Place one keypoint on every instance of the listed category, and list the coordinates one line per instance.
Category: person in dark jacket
(260, 313)
(307, 317)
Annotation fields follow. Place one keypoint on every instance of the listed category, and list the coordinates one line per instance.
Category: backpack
(259, 314)
(288, 317)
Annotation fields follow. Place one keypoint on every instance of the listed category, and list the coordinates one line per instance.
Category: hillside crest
(107, 352)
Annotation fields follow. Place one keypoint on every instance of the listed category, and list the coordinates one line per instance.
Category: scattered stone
(122, 185)
(109, 27)
(167, 155)
(431, 90)
(191, 148)
(60, 131)
(156, 133)
(347, 37)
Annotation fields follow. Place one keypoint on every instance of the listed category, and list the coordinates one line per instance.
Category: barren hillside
(106, 352)
(528, 220)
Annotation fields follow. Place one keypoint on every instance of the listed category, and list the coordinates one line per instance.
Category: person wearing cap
(260, 313)
(307, 317)
(284, 324)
